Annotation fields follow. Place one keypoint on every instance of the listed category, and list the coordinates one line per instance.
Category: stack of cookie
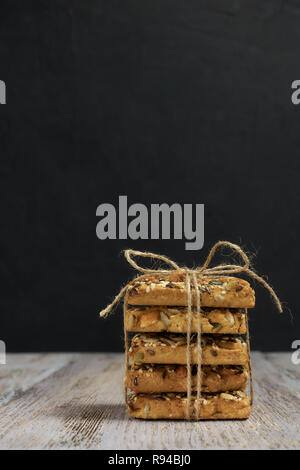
(156, 309)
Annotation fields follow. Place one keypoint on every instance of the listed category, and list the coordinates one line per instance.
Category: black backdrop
(162, 101)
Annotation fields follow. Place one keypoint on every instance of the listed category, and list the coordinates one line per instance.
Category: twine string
(192, 278)
(249, 358)
(125, 304)
(199, 347)
(188, 346)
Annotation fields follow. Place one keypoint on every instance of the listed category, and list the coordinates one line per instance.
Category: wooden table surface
(70, 401)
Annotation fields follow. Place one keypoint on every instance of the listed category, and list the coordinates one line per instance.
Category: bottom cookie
(229, 405)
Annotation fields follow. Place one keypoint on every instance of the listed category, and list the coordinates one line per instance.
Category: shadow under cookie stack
(162, 379)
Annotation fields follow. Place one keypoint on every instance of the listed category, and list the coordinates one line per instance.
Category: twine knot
(202, 271)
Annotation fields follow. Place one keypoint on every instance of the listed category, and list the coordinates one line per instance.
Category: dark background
(162, 101)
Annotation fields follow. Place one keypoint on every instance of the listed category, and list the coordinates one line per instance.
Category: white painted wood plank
(22, 371)
(76, 401)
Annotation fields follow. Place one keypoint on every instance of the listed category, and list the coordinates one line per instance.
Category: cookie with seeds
(174, 320)
(229, 405)
(150, 378)
(170, 348)
(221, 292)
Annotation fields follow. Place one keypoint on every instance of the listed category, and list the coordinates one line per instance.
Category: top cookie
(225, 291)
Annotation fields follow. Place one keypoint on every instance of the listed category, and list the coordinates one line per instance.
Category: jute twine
(192, 277)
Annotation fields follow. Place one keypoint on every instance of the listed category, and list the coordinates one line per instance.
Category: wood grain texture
(71, 401)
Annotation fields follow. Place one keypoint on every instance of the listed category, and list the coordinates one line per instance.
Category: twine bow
(192, 277)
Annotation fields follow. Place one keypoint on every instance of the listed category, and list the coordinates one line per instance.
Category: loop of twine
(192, 276)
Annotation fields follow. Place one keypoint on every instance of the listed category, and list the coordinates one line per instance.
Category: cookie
(229, 405)
(222, 292)
(174, 320)
(150, 378)
(171, 349)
